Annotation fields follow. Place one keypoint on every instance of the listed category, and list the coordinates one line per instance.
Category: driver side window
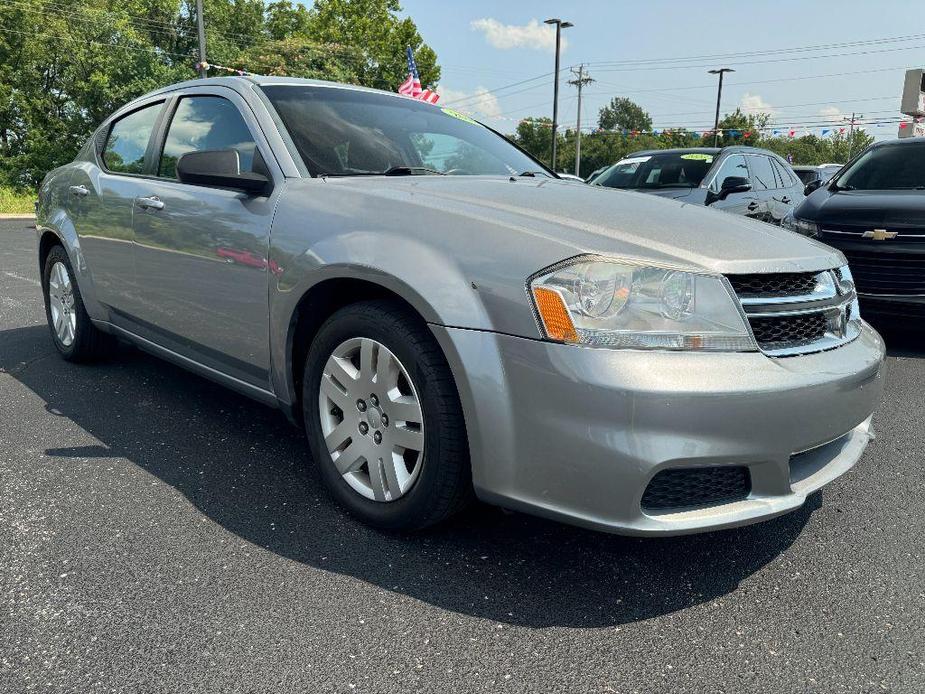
(734, 165)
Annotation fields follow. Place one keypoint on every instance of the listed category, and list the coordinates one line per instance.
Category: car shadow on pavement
(246, 468)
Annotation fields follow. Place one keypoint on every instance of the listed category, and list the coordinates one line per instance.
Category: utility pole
(201, 25)
(719, 96)
(854, 117)
(560, 25)
(580, 81)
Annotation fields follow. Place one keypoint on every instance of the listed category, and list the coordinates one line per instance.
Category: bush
(13, 201)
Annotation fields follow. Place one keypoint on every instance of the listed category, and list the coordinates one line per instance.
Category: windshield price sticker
(460, 116)
(696, 156)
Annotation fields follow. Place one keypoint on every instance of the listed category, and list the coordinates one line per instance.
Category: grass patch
(14, 201)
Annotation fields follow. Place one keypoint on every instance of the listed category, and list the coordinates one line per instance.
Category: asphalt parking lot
(160, 533)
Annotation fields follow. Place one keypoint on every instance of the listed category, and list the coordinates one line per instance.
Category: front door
(737, 203)
(201, 252)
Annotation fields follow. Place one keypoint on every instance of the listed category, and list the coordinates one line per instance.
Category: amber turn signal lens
(555, 315)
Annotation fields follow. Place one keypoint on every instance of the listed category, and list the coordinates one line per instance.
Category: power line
(776, 51)
(103, 44)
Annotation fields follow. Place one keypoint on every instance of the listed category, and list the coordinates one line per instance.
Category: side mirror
(220, 168)
(811, 186)
(734, 184)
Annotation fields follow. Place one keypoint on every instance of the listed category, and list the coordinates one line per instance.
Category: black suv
(743, 180)
(873, 211)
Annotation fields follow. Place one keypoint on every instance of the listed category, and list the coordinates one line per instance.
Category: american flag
(412, 85)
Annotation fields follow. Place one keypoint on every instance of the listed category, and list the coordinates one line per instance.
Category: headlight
(619, 304)
(801, 226)
(844, 283)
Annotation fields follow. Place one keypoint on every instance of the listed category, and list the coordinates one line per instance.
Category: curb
(6, 216)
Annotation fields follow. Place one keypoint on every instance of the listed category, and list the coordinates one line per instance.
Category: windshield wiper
(410, 171)
(532, 174)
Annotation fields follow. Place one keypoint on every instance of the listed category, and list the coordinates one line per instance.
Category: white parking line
(24, 279)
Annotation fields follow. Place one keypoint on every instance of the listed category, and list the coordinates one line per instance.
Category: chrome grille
(798, 312)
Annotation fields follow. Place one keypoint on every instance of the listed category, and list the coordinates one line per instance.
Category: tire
(419, 488)
(80, 341)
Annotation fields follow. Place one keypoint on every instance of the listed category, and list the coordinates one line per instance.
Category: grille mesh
(699, 486)
(887, 273)
(773, 284)
(795, 329)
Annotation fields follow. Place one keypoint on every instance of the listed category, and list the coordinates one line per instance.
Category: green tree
(622, 113)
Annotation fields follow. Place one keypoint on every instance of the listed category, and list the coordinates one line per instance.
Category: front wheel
(383, 418)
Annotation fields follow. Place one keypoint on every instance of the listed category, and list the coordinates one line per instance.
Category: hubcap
(61, 302)
(371, 419)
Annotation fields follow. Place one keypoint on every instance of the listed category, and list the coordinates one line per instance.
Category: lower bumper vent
(680, 488)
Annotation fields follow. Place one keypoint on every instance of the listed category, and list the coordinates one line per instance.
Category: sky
(484, 48)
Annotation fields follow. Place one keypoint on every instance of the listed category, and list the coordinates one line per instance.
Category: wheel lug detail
(385, 419)
(364, 427)
(374, 400)
(377, 437)
(361, 405)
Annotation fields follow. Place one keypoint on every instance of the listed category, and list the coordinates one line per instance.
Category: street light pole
(560, 25)
(581, 79)
(201, 26)
(719, 96)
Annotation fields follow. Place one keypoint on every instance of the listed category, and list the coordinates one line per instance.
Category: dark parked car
(742, 180)
(873, 211)
(814, 176)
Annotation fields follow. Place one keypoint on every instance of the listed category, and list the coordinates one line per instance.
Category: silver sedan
(449, 320)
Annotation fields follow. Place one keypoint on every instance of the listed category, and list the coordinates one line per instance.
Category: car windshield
(893, 167)
(659, 170)
(349, 132)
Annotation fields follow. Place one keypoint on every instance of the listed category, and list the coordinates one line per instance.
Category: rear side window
(762, 173)
(128, 138)
(203, 123)
(786, 179)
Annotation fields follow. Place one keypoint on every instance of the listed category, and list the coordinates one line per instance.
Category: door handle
(151, 203)
(80, 191)
(752, 206)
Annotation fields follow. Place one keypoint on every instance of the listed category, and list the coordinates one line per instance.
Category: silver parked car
(447, 319)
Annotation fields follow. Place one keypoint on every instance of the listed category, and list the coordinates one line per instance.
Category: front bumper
(577, 433)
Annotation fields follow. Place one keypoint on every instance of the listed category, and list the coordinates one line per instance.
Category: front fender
(430, 281)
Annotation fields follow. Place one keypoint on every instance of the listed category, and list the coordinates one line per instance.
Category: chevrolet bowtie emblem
(880, 234)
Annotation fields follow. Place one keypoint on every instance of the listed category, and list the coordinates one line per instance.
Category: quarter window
(762, 173)
(786, 177)
(128, 138)
(204, 123)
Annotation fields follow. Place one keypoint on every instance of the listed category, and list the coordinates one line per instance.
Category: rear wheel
(72, 331)
(383, 418)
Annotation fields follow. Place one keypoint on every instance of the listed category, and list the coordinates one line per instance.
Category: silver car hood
(588, 219)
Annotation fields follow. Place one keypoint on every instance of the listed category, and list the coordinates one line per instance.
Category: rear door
(201, 252)
(764, 184)
(789, 192)
(102, 194)
(736, 203)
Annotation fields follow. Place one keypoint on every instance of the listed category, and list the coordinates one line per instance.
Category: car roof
(731, 149)
(241, 81)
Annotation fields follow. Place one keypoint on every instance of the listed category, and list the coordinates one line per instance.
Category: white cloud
(533, 34)
(754, 103)
(479, 101)
(831, 113)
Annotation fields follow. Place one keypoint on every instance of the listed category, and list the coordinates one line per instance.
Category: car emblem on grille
(880, 234)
